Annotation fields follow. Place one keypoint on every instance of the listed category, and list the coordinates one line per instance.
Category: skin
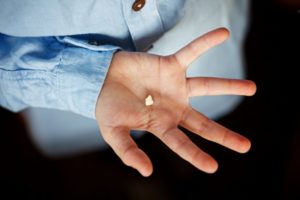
(133, 76)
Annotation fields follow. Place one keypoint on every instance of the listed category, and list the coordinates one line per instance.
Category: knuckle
(195, 156)
(206, 85)
(204, 125)
(181, 145)
(126, 152)
(224, 136)
(206, 41)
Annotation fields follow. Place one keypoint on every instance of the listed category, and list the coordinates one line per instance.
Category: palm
(121, 106)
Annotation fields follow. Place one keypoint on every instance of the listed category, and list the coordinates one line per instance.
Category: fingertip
(138, 160)
(145, 167)
(224, 32)
(252, 88)
(245, 147)
(211, 166)
(205, 163)
(146, 171)
(208, 165)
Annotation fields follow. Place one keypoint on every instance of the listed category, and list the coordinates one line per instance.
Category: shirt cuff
(80, 77)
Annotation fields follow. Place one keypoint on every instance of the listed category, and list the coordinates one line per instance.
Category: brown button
(138, 5)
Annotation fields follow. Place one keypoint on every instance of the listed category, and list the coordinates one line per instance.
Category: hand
(133, 76)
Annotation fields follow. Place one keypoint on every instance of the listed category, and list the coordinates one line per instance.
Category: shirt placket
(143, 21)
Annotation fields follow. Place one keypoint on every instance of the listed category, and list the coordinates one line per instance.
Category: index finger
(193, 50)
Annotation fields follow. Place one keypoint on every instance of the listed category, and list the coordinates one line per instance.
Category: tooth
(149, 101)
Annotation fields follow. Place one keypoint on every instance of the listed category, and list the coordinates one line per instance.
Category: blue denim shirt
(55, 54)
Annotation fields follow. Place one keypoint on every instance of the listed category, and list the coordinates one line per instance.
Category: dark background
(270, 119)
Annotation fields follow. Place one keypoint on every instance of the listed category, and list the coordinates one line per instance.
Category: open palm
(133, 76)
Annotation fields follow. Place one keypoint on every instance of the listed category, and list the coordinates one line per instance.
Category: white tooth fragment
(149, 101)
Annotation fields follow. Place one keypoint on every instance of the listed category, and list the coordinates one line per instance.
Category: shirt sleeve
(52, 72)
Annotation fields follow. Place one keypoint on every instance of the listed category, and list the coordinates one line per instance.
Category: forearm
(50, 73)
